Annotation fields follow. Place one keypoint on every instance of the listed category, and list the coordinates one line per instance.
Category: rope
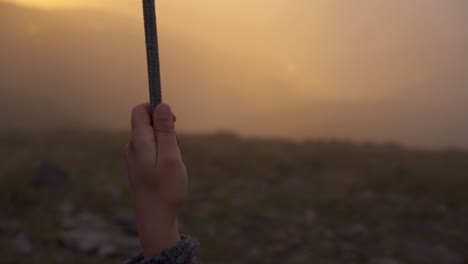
(152, 52)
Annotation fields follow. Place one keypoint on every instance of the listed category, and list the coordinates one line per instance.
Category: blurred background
(314, 131)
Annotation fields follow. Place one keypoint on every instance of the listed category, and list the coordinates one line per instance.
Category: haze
(364, 70)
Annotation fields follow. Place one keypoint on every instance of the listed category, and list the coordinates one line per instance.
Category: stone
(104, 243)
(357, 230)
(23, 244)
(85, 220)
(212, 231)
(131, 243)
(255, 253)
(85, 232)
(367, 196)
(66, 208)
(424, 253)
(112, 191)
(384, 261)
(346, 247)
(310, 216)
(90, 220)
(397, 199)
(126, 219)
(443, 209)
(50, 177)
(85, 241)
(107, 250)
(9, 225)
(88, 233)
(68, 222)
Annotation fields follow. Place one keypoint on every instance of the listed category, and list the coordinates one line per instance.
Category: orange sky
(367, 69)
(56, 4)
(329, 49)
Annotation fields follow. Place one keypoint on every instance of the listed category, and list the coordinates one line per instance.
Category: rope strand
(152, 52)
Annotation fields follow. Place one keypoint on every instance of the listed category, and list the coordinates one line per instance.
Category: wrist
(157, 222)
(156, 237)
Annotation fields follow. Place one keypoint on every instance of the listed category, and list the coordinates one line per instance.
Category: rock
(346, 247)
(86, 220)
(355, 234)
(239, 201)
(66, 208)
(131, 243)
(85, 241)
(254, 253)
(50, 177)
(367, 196)
(430, 254)
(328, 234)
(85, 232)
(125, 218)
(397, 199)
(67, 221)
(88, 233)
(9, 225)
(107, 250)
(114, 192)
(23, 244)
(310, 216)
(90, 220)
(384, 261)
(211, 231)
(448, 255)
(277, 249)
(104, 243)
(443, 209)
(61, 257)
(357, 230)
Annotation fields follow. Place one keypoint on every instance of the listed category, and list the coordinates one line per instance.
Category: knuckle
(134, 117)
(165, 127)
(135, 111)
(138, 114)
(128, 150)
(144, 156)
(170, 162)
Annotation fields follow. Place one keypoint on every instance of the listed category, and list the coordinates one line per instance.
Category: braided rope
(152, 52)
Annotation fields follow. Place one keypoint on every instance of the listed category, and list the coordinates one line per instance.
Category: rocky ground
(64, 200)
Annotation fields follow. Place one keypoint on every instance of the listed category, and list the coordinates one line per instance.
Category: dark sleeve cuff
(183, 252)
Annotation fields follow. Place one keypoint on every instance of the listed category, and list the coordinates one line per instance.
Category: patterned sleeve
(184, 252)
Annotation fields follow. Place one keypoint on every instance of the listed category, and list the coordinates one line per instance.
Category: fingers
(164, 129)
(143, 142)
(164, 120)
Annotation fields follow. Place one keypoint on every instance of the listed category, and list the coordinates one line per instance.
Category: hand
(157, 176)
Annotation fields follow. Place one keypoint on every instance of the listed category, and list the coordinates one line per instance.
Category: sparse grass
(249, 197)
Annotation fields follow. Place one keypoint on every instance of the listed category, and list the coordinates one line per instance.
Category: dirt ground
(64, 199)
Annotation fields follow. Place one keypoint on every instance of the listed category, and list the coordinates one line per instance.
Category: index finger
(142, 128)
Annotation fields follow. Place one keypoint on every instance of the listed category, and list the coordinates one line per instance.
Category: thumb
(164, 129)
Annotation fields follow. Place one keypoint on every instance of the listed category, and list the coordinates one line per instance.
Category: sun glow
(52, 4)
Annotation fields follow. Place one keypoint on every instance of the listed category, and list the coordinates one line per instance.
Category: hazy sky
(367, 69)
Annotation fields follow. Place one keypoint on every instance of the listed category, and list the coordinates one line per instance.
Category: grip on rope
(152, 52)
